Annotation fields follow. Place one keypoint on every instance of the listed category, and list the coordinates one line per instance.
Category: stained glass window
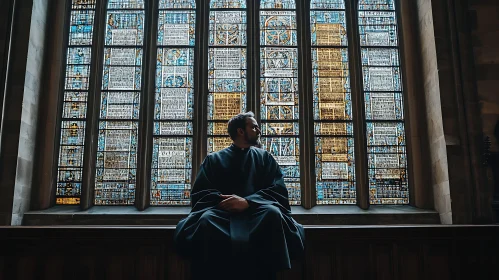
(226, 69)
(120, 103)
(334, 143)
(279, 90)
(386, 143)
(173, 111)
(74, 112)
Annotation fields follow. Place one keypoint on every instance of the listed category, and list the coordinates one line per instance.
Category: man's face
(252, 132)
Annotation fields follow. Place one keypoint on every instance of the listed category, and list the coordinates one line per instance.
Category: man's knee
(271, 210)
(206, 219)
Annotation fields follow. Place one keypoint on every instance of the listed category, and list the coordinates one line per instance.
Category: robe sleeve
(204, 194)
(274, 191)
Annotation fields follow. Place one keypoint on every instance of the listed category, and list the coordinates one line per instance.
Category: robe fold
(264, 235)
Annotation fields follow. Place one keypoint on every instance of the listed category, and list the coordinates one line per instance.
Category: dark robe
(263, 236)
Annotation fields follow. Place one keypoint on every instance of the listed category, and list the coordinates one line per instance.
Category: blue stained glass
(327, 4)
(226, 69)
(227, 4)
(227, 28)
(176, 28)
(125, 28)
(73, 121)
(177, 4)
(376, 5)
(83, 4)
(125, 4)
(328, 28)
(277, 4)
(81, 55)
(81, 27)
(173, 108)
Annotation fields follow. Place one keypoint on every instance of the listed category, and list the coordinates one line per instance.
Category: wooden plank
(437, 260)
(382, 261)
(409, 260)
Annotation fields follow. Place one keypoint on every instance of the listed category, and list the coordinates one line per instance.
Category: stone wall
(437, 147)
(24, 86)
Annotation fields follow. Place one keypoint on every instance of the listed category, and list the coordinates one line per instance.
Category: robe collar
(238, 149)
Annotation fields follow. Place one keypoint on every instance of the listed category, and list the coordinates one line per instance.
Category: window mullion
(253, 58)
(145, 143)
(200, 75)
(307, 147)
(94, 95)
(358, 106)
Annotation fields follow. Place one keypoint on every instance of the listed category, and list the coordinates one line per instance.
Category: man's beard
(253, 141)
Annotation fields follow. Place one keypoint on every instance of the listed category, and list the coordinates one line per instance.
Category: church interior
(380, 113)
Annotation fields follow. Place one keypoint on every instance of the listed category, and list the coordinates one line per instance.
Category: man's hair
(238, 121)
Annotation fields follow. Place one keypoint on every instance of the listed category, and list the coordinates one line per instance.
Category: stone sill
(319, 215)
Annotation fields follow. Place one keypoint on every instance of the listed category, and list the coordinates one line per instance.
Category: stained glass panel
(328, 4)
(176, 28)
(177, 4)
(383, 97)
(174, 105)
(279, 100)
(125, 4)
(328, 28)
(277, 4)
(74, 107)
(376, 5)
(279, 28)
(120, 104)
(333, 126)
(227, 28)
(228, 4)
(227, 72)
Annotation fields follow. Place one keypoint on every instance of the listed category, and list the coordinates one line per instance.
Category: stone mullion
(93, 105)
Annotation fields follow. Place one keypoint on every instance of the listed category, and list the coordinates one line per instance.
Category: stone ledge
(319, 215)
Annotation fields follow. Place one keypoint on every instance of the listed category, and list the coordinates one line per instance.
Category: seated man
(240, 225)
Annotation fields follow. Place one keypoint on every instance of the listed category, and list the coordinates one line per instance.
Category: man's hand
(233, 203)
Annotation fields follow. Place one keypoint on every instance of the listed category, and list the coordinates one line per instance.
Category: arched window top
(370, 5)
(277, 4)
(328, 4)
(177, 4)
(228, 4)
(125, 4)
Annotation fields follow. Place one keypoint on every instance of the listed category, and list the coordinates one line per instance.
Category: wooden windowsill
(319, 215)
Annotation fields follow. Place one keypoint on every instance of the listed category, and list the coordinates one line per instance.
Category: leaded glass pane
(328, 28)
(277, 4)
(378, 28)
(328, 4)
(383, 97)
(177, 4)
(174, 105)
(116, 162)
(74, 106)
(227, 28)
(279, 28)
(333, 127)
(83, 4)
(171, 171)
(227, 72)
(81, 27)
(176, 28)
(376, 5)
(125, 4)
(279, 100)
(228, 4)
(125, 28)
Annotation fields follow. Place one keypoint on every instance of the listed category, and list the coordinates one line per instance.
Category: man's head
(243, 129)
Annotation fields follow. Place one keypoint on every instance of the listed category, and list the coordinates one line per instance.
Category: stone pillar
(19, 125)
